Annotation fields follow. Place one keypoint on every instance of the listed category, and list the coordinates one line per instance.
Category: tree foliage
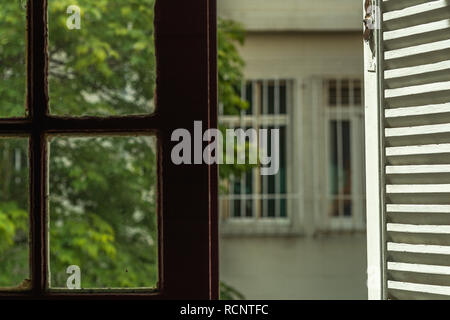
(102, 189)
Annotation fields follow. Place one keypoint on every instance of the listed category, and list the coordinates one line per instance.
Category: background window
(249, 194)
(343, 118)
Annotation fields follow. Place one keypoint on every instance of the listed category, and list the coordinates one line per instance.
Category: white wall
(301, 55)
(330, 267)
(299, 15)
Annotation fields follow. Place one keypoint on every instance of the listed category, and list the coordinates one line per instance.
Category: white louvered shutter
(407, 105)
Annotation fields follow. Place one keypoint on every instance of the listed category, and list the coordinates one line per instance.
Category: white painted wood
(391, 5)
(395, 294)
(432, 259)
(415, 50)
(413, 9)
(418, 55)
(413, 150)
(416, 116)
(417, 75)
(417, 130)
(416, 15)
(417, 229)
(374, 168)
(418, 208)
(434, 88)
(418, 268)
(417, 111)
(423, 278)
(414, 248)
(419, 287)
(417, 169)
(439, 239)
(416, 35)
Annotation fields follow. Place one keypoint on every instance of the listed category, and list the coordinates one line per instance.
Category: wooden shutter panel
(407, 83)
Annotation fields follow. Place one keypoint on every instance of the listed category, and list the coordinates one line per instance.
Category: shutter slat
(418, 178)
(414, 79)
(419, 287)
(419, 159)
(401, 39)
(418, 208)
(418, 154)
(416, 15)
(432, 55)
(392, 5)
(418, 218)
(433, 174)
(395, 294)
(420, 139)
(419, 258)
(418, 198)
(416, 116)
(422, 278)
(434, 96)
(419, 238)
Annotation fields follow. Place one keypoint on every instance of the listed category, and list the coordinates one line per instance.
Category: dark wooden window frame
(185, 40)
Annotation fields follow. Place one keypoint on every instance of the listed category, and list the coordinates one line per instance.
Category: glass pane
(276, 97)
(102, 57)
(333, 180)
(332, 93)
(340, 173)
(346, 155)
(249, 98)
(237, 208)
(283, 160)
(103, 212)
(237, 201)
(14, 221)
(357, 92)
(271, 208)
(283, 98)
(12, 58)
(345, 92)
(283, 208)
(335, 206)
(340, 207)
(249, 208)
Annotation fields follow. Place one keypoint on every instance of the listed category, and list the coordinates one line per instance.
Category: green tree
(102, 196)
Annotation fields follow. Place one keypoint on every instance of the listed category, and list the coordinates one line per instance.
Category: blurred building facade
(299, 234)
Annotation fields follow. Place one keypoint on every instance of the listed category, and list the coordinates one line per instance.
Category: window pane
(335, 207)
(14, 218)
(260, 196)
(283, 160)
(332, 92)
(276, 102)
(333, 152)
(249, 97)
(357, 92)
(340, 170)
(102, 57)
(345, 92)
(103, 211)
(237, 209)
(12, 58)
